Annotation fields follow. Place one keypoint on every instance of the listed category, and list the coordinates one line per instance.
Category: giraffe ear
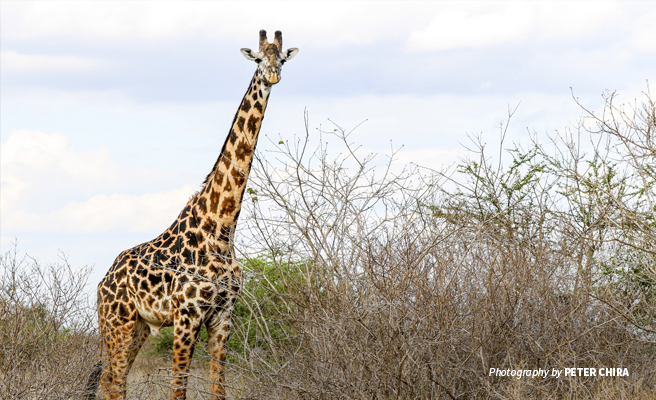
(290, 53)
(250, 55)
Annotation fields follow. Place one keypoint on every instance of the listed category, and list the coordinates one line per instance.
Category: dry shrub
(47, 341)
(416, 284)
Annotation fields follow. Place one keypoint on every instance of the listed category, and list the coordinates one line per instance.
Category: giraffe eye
(258, 60)
(282, 62)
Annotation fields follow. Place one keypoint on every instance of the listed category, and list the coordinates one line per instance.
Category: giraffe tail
(94, 376)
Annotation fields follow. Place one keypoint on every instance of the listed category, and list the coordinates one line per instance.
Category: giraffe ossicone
(188, 276)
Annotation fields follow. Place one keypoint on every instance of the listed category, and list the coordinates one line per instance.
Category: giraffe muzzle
(274, 78)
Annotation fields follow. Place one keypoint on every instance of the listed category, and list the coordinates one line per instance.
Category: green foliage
(507, 200)
(162, 344)
(256, 315)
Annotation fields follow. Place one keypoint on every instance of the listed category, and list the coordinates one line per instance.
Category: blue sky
(112, 113)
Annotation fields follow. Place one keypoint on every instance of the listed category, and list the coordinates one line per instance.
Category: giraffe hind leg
(122, 342)
(141, 334)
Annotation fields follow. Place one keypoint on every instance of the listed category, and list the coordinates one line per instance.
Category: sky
(112, 112)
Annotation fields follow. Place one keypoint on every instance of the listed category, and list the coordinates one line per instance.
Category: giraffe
(188, 275)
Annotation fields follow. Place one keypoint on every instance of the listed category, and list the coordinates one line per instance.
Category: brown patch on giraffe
(202, 206)
(228, 187)
(202, 258)
(214, 201)
(120, 274)
(224, 236)
(228, 206)
(177, 246)
(191, 312)
(227, 155)
(246, 105)
(192, 240)
(193, 218)
(243, 150)
(168, 242)
(219, 178)
(258, 107)
(210, 226)
(239, 177)
(155, 279)
(206, 293)
(214, 269)
(240, 125)
(232, 136)
(185, 212)
(188, 259)
(252, 124)
(123, 310)
(163, 257)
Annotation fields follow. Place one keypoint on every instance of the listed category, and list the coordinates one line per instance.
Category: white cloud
(148, 213)
(320, 23)
(644, 36)
(48, 186)
(482, 24)
(16, 62)
(471, 25)
(39, 155)
(573, 19)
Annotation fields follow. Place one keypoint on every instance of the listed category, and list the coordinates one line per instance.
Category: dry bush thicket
(413, 285)
(363, 281)
(47, 341)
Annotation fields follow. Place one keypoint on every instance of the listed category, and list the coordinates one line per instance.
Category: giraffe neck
(225, 185)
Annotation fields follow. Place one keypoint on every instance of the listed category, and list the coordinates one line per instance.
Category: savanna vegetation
(370, 281)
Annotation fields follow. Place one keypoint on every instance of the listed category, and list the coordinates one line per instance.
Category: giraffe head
(270, 57)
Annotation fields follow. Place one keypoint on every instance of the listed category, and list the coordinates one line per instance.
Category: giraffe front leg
(217, 338)
(185, 336)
